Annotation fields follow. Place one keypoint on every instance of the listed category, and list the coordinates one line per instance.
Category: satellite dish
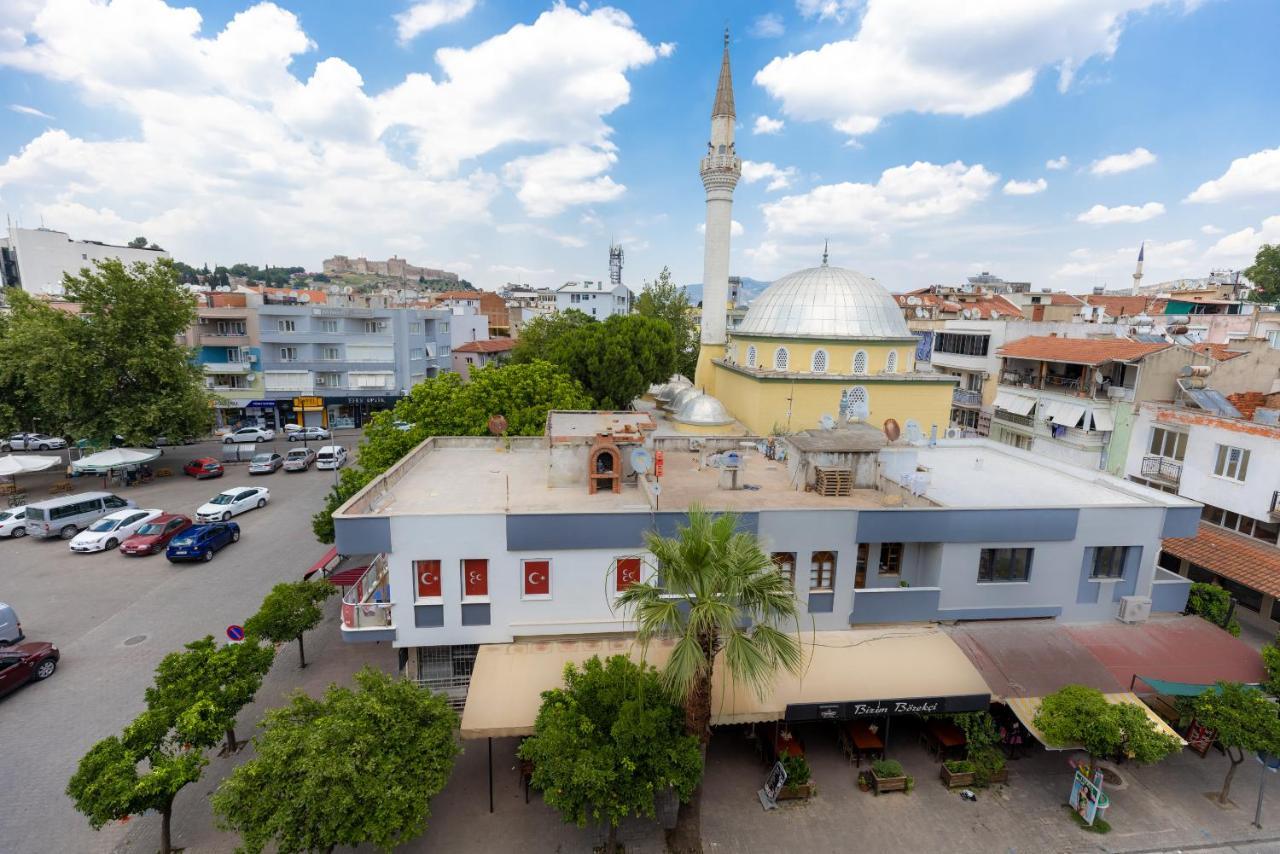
(827, 422)
(226, 289)
(920, 312)
(914, 301)
(348, 290)
(304, 297)
(497, 425)
(966, 313)
(891, 429)
(995, 315)
(641, 461)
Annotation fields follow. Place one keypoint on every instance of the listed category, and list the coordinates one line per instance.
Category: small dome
(703, 410)
(682, 397)
(666, 391)
(825, 302)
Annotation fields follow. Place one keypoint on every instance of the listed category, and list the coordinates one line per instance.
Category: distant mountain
(751, 288)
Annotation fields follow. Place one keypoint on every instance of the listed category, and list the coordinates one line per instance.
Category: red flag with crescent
(428, 575)
(537, 578)
(475, 577)
(628, 572)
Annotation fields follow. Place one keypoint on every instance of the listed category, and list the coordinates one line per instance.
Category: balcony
(1014, 418)
(895, 605)
(1162, 468)
(366, 607)
(227, 367)
(964, 397)
(222, 339)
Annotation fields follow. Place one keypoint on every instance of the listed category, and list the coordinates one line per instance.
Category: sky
(927, 140)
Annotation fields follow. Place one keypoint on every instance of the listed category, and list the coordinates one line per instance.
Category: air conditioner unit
(321, 381)
(953, 432)
(250, 378)
(1134, 609)
(253, 357)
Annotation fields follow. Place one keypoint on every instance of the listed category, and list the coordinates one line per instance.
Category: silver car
(265, 463)
(310, 434)
(32, 442)
(299, 459)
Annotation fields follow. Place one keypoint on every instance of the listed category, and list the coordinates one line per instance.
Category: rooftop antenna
(825, 243)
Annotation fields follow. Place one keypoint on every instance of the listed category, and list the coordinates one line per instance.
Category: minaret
(720, 171)
(1137, 272)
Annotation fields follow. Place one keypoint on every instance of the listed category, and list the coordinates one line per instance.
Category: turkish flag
(428, 575)
(628, 572)
(537, 578)
(475, 577)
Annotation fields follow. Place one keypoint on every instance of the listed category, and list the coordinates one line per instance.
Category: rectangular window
(1212, 514)
(1108, 562)
(415, 328)
(288, 354)
(370, 327)
(284, 325)
(475, 578)
(427, 573)
(537, 579)
(417, 353)
(234, 354)
(628, 572)
(1005, 565)
(328, 326)
(1266, 531)
(444, 350)
(822, 571)
(961, 345)
(444, 326)
(1232, 463)
(890, 559)
(1168, 443)
(330, 354)
(786, 564)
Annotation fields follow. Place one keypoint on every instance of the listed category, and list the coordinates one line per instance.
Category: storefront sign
(358, 401)
(261, 404)
(1200, 738)
(1085, 795)
(308, 404)
(848, 710)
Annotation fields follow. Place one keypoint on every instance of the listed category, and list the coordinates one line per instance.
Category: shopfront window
(1003, 565)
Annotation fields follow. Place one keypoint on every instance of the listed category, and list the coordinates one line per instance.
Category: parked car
(203, 467)
(310, 434)
(155, 535)
(331, 457)
(13, 521)
(10, 625)
(291, 428)
(32, 442)
(233, 502)
(249, 434)
(265, 463)
(202, 541)
(106, 533)
(299, 459)
(161, 441)
(66, 515)
(27, 662)
(402, 426)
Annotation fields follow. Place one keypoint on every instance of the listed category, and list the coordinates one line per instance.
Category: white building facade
(36, 259)
(599, 300)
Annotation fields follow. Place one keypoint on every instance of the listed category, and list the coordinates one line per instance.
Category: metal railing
(363, 606)
(965, 397)
(1164, 468)
(1014, 418)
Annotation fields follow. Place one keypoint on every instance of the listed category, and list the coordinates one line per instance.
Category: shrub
(887, 768)
(797, 768)
(1213, 604)
(959, 766)
(1271, 662)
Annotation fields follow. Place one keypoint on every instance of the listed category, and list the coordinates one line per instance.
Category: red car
(26, 662)
(154, 536)
(203, 467)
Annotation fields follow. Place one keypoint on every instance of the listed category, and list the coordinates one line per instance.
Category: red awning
(321, 563)
(1024, 658)
(348, 570)
(1181, 649)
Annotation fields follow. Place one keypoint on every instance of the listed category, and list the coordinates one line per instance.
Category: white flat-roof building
(35, 259)
(594, 299)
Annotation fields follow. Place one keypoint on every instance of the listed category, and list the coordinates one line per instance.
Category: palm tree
(717, 592)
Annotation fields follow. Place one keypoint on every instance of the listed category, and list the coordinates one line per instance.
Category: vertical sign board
(657, 463)
(628, 571)
(475, 577)
(428, 577)
(1085, 794)
(537, 578)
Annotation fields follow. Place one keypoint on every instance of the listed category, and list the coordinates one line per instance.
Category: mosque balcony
(722, 163)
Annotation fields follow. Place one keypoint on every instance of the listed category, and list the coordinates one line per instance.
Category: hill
(751, 288)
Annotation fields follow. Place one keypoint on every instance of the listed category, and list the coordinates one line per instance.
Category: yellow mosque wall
(840, 353)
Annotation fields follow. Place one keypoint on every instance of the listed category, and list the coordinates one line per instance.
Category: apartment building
(36, 259)
(228, 346)
(600, 300)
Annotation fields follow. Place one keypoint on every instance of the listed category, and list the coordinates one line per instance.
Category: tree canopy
(608, 742)
(1076, 714)
(291, 609)
(117, 367)
(1244, 720)
(354, 767)
(665, 300)
(1265, 274)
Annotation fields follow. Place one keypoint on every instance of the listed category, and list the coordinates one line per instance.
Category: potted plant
(887, 776)
(957, 772)
(799, 784)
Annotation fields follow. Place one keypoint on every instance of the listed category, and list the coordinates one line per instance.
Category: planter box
(955, 779)
(797, 793)
(888, 784)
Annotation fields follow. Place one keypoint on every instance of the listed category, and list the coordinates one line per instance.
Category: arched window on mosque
(860, 362)
(780, 359)
(891, 362)
(855, 402)
(751, 356)
(819, 361)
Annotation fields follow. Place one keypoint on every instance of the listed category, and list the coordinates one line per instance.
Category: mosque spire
(825, 244)
(724, 89)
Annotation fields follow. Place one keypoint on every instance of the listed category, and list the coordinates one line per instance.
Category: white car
(292, 428)
(249, 434)
(109, 531)
(233, 502)
(331, 457)
(310, 434)
(13, 521)
(32, 442)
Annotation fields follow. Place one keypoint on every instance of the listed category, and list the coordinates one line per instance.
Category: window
(819, 361)
(891, 362)
(328, 326)
(1005, 565)
(444, 350)
(329, 379)
(427, 573)
(855, 402)
(1266, 531)
(417, 353)
(961, 345)
(444, 326)
(229, 327)
(1232, 463)
(284, 325)
(234, 354)
(628, 572)
(1168, 443)
(786, 564)
(288, 354)
(890, 559)
(415, 328)
(780, 359)
(371, 327)
(536, 582)
(860, 362)
(822, 571)
(751, 356)
(330, 354)
(475, 578)
(1108, 562)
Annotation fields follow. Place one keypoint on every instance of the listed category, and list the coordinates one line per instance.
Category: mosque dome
(825, 302)
(703, 410)
(682, 397)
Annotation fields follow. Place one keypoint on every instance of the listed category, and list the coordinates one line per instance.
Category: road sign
(236, 633)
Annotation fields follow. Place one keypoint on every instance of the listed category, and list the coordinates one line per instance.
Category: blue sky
(511, 141)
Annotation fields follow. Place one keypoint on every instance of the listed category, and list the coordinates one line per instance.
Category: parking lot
(114, 617)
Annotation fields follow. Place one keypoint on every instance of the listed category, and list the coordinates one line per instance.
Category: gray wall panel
(559, 531)
(966, 526)
(890, 605)
(1181, 522)
(366, 535)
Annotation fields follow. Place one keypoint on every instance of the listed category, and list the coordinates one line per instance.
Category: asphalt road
(114, 618)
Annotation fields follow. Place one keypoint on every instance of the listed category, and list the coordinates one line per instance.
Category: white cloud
(1103, 215)
(1210, 230)
(1162, 261)
(1116, 163)
(665, 49)
(519, 271)
(779, 178)
(735, 228)
(764, 124)
(836, 10)
(1257, 174)
(548, 183)
(940, 56)
(1025, 188)
(904, 195)
(29, 111)
(570, 240)
(768, 26)
(428, 15)
(1058, 163)
(1241, 246)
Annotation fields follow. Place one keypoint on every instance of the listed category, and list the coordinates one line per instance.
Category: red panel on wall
(628, 572)
(428, 575)
(475, 577)
(537, 578)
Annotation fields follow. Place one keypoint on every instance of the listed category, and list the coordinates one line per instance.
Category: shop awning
(1176, 649)
(1176, 689)
(330, 555)
(1103, 420)
(1016, 403)
(1026, 707)
(1066, 413)
(865, 671)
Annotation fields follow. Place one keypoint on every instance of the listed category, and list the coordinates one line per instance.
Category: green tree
(608, 742)
(288, 611)
(1076, 714)
(665, 300)
(1265, 274)
(351, 768)
(142, 769)
(18, 409)
(204, 688)
(116, 367)
(1271, 663)
(1244, 718)
(719, 592)
(540, 337)
(1213, 604)
(138, 243)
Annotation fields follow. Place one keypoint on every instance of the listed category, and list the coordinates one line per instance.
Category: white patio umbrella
(12, 466)
(115, 458)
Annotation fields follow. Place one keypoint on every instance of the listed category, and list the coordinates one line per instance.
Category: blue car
(202, 541)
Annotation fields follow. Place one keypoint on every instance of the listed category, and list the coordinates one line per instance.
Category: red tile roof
(491, 345)
(1240, 558)
(1216, 351)
(1080, 351)
(1247, 402)
(1060, 298)
(1120, 306)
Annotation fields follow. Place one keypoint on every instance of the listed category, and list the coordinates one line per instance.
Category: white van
(331, 457)
(66, 516)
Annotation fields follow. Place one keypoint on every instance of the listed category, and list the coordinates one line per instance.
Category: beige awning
(1026, 707)
(849, 667)
(1066, 413)
(1016, 403)
(1103, 420)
